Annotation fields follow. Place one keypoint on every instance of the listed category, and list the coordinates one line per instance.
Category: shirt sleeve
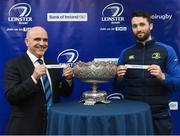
(172, 74)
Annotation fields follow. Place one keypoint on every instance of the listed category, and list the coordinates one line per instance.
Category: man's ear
(151, 26)
(26, 41)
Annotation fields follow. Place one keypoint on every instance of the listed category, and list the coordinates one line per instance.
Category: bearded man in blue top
(148, 71)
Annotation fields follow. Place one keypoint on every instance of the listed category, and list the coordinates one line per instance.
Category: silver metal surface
(95, 72)
(90, 97)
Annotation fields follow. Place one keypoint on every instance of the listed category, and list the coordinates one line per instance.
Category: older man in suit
(25, 88)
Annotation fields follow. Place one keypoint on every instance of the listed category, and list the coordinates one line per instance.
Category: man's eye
(37, 39)
(142, 24)
(134, 26)
(45, 40)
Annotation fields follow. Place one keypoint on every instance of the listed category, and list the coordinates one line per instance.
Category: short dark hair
(141, 13)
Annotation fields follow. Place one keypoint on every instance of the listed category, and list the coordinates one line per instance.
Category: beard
(143, 37)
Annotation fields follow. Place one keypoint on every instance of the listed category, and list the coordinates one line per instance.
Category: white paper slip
(131, 66)
(55, 66)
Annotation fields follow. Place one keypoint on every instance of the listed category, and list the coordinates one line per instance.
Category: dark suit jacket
(29, 114)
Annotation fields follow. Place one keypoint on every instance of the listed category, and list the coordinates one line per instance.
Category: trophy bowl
(95, 72)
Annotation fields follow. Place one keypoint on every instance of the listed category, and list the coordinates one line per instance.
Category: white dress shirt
(35, 63)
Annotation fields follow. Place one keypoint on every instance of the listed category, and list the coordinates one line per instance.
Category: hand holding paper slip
(132, 66)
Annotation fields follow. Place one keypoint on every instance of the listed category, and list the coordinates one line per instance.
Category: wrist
(34, 80)
(162, 76)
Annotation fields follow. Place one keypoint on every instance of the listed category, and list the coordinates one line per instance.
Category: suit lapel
(30, 69)
(28, 63)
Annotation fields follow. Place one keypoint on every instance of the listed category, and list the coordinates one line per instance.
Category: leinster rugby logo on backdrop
(112, 13)
(113, 9)
(68, 56)
(19, 13)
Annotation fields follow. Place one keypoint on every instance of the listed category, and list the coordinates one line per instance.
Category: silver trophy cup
(95, 72)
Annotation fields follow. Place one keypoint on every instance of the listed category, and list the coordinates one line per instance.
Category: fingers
(121, 70)
(38, 71)
(68, 72)
(156, 71)
(41, 69)
(153, 69)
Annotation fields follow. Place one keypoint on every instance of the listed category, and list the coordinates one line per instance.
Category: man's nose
(41, 42)
(138, 28)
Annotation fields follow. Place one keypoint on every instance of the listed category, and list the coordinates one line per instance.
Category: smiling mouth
(40, 47)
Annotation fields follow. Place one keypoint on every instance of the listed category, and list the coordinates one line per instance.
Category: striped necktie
(47, 87)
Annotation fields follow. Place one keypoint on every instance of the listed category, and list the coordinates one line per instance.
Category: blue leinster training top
(140, 84)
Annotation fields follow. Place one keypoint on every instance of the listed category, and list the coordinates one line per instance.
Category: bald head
(34, 30)
(37, 41)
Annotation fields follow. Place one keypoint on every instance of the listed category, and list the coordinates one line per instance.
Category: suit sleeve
(60, 85)
(66, 88)
(16, 89)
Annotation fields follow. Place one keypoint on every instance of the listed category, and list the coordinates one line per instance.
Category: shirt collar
(144, 42)
(32, 57)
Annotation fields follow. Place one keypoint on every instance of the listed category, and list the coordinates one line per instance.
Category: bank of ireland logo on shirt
(68, 56)
(20, 13)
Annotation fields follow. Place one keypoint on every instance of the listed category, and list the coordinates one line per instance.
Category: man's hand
(68, 72)
(121, 70)
(38, 71)
(156, 71)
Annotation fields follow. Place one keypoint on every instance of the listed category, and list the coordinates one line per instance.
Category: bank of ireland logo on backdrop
(19, 13)
(68, 56)
(112, 14)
